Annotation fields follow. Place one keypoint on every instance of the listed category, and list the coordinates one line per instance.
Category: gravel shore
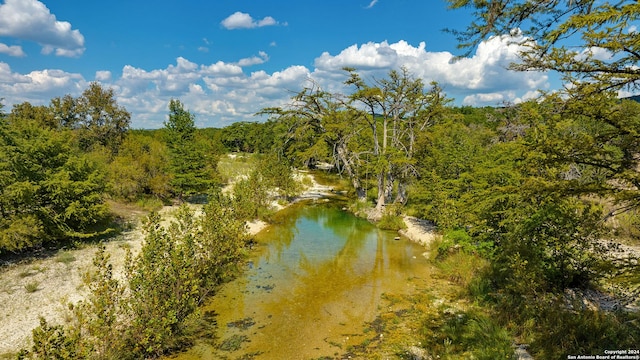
(418, 230)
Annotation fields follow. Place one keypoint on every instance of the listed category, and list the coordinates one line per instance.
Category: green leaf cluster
(50, 191)
(593, 44)
(527, 188)
(251, 137)
(140, 168)
(154, 309)
(271, 178)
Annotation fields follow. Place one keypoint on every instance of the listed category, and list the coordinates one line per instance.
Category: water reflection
(316, 280)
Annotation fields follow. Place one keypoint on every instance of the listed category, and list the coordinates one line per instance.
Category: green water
(313, 284)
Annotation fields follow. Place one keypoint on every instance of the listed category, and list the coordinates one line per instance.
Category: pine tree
(189, 170)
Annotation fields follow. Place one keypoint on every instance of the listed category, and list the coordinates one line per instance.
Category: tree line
(60, 164)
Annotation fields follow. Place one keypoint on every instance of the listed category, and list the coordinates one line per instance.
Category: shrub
(392, 219)
(51, 342)
(155, 309)
(32, 286)
(466, 335)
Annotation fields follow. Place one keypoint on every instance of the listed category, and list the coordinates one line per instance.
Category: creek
(313, 284)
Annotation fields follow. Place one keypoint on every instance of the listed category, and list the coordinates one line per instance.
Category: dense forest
(534, 190)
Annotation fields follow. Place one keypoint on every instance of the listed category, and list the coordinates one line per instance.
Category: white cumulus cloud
(103, 75)
(220, 93)
(38, 87)
(486, 72)
(31, 20)
(254, 60)
(13, 50)
(240, 20)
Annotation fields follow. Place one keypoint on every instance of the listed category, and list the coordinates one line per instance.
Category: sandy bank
(418, 230)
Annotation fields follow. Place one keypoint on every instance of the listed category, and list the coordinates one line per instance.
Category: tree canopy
(49, 190)
(95, 114)
(592, 43)
(367, 134)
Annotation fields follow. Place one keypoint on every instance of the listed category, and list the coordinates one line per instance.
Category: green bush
(466, 335)
(555, 328)
(51, 342)
(392, 219)
(49, 190)
(155, 309)
(459, 240)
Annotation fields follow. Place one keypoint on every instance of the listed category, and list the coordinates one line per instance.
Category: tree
(188, 166)
(401, 106)
(249, 137)
(140, 168)
(65, 112)
(321, 127)
(592, 141)
(101, 118)
(586, 135)
(594, 44)
(372, 131)
(452, 157)
(48, 190)
(96, 115)
(43, 115)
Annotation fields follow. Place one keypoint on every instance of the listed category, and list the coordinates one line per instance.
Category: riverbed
(313, 284)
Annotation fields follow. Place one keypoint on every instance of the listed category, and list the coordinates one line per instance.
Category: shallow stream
(313, 285)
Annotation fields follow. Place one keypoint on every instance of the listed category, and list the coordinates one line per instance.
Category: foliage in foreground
(155, 308)
(48, 190)
(488, 320)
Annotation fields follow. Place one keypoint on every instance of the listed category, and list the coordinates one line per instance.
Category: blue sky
(225, 60)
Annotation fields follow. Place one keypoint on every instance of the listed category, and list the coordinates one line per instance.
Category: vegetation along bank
(537, 202)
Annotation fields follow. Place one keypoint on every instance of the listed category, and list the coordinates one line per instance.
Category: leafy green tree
(95, 116)
(553, 247)
(189, 171)
(321, 127)
(589, 133)
(48, 191)
(277, 174)
(102, 120)
(251, 197)
(569, 37)
(584, 141)
(140, 168)
(402, 107)
(593, 142)
(369, 133)
(27, 112)
(450, 157)
(250, 137)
